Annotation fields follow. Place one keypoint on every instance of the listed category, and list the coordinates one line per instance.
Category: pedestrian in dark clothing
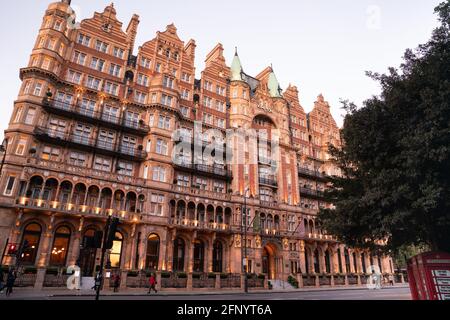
(2, 278)
(10, 283)
(116, 283)
(152, 283)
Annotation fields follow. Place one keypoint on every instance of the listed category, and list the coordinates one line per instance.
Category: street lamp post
(245, 260)
(3, 149)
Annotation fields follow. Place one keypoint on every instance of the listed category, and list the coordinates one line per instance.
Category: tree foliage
(395, 157)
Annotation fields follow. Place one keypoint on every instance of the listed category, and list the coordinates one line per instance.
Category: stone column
(40, 277)
(75, 249)
(45, 250)
(210, 256)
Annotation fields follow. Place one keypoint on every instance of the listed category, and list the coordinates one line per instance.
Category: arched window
(60, 247)
(327, 262)
(339, 260)
(151, 261)
(116, 251)
(363, 262)
(380, 264)
(355, 264)
(199, 256)
(178, 254)
(217, 257)
(306, 261)
(316, 261)
(31, 234)
(347, 261)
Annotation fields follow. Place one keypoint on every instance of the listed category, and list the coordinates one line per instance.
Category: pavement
(398, 292)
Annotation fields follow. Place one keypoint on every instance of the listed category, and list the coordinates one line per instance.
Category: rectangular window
(118, 52)
(159, 174)
(183, 180)
(9, 186)
(84, 40)
(74, 77)
(161, 147)
(111, 88)
(156, 204)
(128, 145)
(185, 111)
(50, 153)
(26, 87)
(166, 100)
(142, 80)
(87, 107)
(185, 94)
(93, 83)
(164, 123)
(77, 159)
(57, 128)
(125, 168)
(140, 97)
(158, 67)
(79, 57)
(185, 77)
(115, 70)
(29, 118)
(168, 82)
(18, 116)
(106, 140)
(220, 106)
(221, 123)
(46, 64)
(21, 145)
(102, 164)
(145, 62)
(38, 89)
(97, 64)
(82, 134)
(101, 46)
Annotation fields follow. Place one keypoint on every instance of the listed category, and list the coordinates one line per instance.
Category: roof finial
(235, 51)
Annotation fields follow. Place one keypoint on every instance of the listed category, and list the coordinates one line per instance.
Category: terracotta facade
(91, 135)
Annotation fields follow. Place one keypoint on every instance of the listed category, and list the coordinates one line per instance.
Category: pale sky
(321, 46)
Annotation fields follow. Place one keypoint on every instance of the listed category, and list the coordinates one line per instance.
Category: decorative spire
(236, 68)
(274, 85)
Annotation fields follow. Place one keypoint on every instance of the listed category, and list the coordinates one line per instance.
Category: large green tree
(395, 157)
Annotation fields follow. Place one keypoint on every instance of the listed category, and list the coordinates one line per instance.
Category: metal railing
(84, 141)
(40, 204)
(201, 225)
(78, 109)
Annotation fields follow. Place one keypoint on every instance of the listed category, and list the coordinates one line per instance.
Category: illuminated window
(60, 247)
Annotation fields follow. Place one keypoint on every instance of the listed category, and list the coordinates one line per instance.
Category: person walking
(116, 283)
(152, 282)
(10, 282)
(391, 280)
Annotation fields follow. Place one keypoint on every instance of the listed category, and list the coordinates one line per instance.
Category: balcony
(55, 206)
(310, 193)
(319, 236)
(308, 173)
(212, 171)
(89, 144)
(200, 225)
(201, 193)
(71, 110)
(268, 182)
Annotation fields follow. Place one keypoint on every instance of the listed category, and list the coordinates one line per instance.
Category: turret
(236, 68)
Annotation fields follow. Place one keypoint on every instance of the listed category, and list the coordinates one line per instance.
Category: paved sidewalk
(24, 293)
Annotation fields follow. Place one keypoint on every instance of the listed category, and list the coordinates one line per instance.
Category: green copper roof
(274, 86)
(236, 68)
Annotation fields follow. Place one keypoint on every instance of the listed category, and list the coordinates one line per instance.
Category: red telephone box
(429, 276)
